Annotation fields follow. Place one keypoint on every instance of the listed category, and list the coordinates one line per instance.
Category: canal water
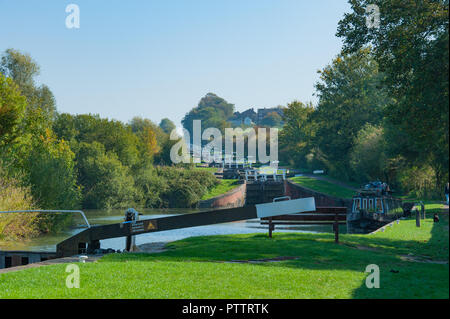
(102, 217)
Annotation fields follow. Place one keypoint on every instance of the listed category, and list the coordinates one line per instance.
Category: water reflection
(103, 217)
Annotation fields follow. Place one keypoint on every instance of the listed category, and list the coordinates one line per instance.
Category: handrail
(280, 198)
(48, 211)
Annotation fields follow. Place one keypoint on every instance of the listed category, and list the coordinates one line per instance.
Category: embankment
(234, 198)
(296, 191)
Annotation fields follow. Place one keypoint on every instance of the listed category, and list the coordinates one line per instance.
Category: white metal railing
(48, 211)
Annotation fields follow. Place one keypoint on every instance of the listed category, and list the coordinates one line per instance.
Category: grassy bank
(212, 170)
(430, 205)
(225, 186)
(196, 268)
(324, 187)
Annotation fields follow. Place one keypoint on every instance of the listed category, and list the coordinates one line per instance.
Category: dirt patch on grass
(152, 248)
(265, 260)
(421, 259)
(360, 247)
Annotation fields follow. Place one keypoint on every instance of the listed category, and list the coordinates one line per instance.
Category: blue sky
(156, 59)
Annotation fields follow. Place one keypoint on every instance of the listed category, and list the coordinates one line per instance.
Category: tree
(45, 162)
(297, 135)
(115, 136)
(411, 48)
(12, 107)
(151, 138)
(167, 125)
(368, 157)
(350, 96)
(22, 69)
(51, 173)
(106, 183)
(212, 110)
(272, 119)
(19, 67)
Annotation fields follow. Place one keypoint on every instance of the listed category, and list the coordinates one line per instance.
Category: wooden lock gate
(88, 240)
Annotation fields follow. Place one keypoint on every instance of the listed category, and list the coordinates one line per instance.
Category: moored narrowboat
(374, 206)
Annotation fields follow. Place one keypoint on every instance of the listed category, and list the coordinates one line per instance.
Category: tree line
(53, 160)
(383, 109)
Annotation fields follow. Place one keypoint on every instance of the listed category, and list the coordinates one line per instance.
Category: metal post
(422, 208)
(131, 215)
(271, 227)
(417, 218)
(336, 229)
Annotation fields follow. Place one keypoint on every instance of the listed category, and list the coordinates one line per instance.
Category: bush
(150, 186)
(419, 182)
(173, 186)
(106, 183)
(51, 174)
(368, 158)
(13, 196)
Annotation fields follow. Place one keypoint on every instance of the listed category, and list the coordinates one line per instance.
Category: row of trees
(56, 160)
(383, 110)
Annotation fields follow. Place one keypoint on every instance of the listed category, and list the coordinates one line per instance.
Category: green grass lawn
(207, 169)
(430, 205)
(225, 186)
(195, 268)
(323, 187)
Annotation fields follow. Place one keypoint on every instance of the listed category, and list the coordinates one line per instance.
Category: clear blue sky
(157, 59)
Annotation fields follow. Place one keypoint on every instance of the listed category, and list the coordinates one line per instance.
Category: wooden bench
(322, 216)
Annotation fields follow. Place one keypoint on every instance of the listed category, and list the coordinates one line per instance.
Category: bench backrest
(320, 214)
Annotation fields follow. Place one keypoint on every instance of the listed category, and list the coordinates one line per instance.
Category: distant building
(248, 117)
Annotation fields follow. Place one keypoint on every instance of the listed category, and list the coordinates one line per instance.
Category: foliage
(298, 133)
(151, 138)
(411, 48)
(167, 125)
(212, 110)
(418, 182)
(14, 196)
(349, 98)
(105, 181)
(39, 161)
(19, 67)
(12, 107)
(115, 136)
(185, 186)
(22, 69)
(272, 119)
(224, 186)
(51, 173)
(368, 157)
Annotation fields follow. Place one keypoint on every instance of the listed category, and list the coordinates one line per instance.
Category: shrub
(13, 196)
(173, 186)
(106, 182)
(419, 182)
